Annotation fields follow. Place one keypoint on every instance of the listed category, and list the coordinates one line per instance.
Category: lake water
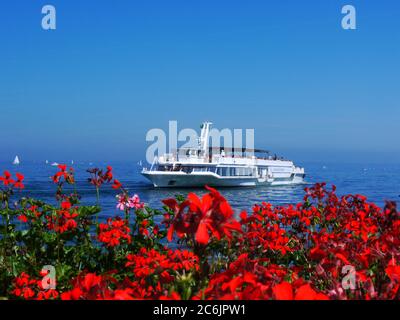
(378, 182)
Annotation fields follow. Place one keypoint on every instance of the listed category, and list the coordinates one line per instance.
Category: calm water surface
(378, 182)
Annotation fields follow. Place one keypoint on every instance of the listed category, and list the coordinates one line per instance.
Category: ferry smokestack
(204, 134)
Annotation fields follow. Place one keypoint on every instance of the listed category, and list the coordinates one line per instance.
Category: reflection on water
(377, 182)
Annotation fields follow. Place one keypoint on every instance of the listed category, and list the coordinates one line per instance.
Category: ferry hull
(184, 180)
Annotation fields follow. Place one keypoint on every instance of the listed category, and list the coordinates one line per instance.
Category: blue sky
(112, 70)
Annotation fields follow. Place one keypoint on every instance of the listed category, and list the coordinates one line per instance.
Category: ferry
(221, 167)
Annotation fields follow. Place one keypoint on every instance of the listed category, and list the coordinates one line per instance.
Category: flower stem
(98, 203)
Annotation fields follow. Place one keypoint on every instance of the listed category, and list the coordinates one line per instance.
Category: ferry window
(186, 169)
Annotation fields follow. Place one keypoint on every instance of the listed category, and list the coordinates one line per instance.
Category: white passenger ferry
(221, 167)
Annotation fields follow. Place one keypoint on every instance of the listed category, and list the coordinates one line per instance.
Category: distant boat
(54, 164)
(16, 161)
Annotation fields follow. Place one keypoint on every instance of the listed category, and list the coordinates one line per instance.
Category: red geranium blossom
(91, 286)
(9, 181)
(64, 220)
(116, 184)
(211, 215)
(153, 270)
(64, 173)
(114, 231)
(98, 176)
(324, 247)
(18, 183)
(29, 288)
(285, 291)
(22, 218)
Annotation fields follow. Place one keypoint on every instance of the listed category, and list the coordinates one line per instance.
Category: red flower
(290, 252)
(173, 296)
(202, 233)
(47, 294)
(63, 173)
(23, 218)
(212, 215)
(143, 228)
(393, 271)
(283, 291)
(108, 175)
(122, 294)
(64, 220)
(28, 288)
(305, 292)
(74, 294)
(91, 286)
(177, 223)
(116, 184)
(18, 183)
(24, 286)
(154, 270)
(114, 232)
(65, 205)
(98, 177)
(7, 180)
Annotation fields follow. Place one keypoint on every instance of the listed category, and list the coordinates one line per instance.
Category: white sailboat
(16, 161)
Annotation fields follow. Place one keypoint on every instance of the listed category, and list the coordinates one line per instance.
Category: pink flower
(122, 202)
(134, 202)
